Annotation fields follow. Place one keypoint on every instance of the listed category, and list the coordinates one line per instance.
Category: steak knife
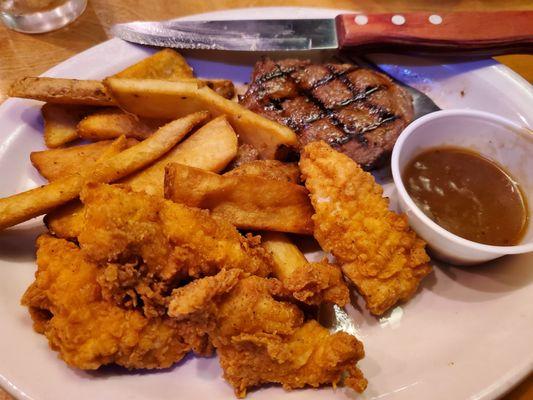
(479, 33)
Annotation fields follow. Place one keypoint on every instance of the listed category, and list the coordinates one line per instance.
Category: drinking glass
(38, 16)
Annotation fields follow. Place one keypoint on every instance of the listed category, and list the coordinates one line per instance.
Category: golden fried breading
(198, 297)
(269, 169)
(261, 340)
(318, 282)
(66, 305)
(147, 244)
(380, 254)
(311, 283)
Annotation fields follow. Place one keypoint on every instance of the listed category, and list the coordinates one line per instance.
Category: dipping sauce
(467, 195)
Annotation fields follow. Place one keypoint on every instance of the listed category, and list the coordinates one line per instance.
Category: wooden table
(33, 54)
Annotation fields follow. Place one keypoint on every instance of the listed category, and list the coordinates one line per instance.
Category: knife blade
(477, 33)
(245, 35)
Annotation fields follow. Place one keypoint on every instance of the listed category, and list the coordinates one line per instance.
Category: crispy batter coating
(147, 245)
(199, 297)
(379, 252)
(309, 282)
(270, 169)
(260, 340)
(66, 305)
(318, 282)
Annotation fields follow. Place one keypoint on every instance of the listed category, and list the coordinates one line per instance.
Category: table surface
(23, 55)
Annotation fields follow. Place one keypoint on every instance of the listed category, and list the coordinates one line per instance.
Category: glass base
(44, 21)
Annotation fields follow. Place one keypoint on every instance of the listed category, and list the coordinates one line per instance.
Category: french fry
(67, 220)
(223, 87)
(160, 99)
(165, 64)
(94, 93)
(169, 65)
(248, 202)
(286, 255)
(310, 283)
(211, 148)
(59, 163)
(62, 91)
(29, 204)
(270, 169)
(112, 123)
(60, 122)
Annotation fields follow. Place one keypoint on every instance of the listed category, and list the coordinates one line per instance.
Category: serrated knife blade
(246, 35)
(445, 33)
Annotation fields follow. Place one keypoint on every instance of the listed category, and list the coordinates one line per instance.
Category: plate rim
(500, 387)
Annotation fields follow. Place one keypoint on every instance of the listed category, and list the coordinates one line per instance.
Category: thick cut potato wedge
(112, 123)
(165, 64)
(169, 65)
(59, 163)
(211, 148)
(223, 87)
(91, 92)
(67, 220)
(160, 99)
(248, 202)
(60, 121)
(29, 204)
(62, 91)
(270, 169)
(286, 255)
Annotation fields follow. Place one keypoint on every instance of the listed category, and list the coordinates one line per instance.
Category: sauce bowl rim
(398, 181)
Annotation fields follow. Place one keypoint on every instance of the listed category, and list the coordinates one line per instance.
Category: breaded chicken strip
(309, 282)
(198, 298)
(379, 252)
(66, 305)
(261, 340)
(147, 244)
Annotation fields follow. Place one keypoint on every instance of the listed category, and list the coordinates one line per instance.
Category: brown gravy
(467, 195)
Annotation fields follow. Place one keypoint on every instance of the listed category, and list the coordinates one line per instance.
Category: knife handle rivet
(435, 19)
(361, 19)
(398, 19)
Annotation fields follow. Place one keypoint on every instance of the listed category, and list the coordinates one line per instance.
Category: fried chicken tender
(269, 169)
(147, 244)
(66, 305)
(309, 282)
(199, 296)
(261, 340)
(379, 252)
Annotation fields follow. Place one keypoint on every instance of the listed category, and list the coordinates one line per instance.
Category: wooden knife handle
(479, 33)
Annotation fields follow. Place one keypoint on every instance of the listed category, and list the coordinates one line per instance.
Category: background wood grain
(22, 55)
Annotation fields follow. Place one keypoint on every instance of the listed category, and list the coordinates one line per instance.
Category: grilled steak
(357, 111)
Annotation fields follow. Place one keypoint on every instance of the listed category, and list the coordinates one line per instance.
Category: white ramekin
(495, 138)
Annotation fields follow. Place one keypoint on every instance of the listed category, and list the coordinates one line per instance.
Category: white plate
(466, 335)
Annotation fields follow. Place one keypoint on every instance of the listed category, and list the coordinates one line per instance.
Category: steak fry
(379, 252)
(310, 283)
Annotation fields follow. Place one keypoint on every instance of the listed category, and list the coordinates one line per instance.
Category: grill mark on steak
(301, 95)
(329, 112)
